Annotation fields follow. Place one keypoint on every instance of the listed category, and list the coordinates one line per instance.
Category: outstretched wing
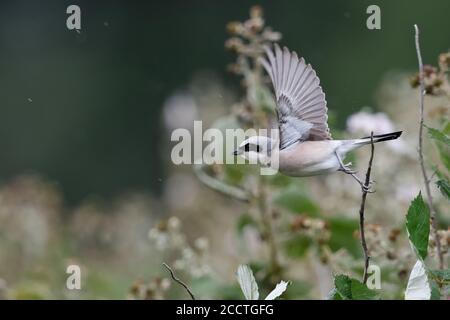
(301, 105)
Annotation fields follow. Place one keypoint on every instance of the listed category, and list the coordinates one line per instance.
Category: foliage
(351, 289)
(418, 226)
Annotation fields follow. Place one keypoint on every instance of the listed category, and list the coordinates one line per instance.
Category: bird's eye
(252, 147)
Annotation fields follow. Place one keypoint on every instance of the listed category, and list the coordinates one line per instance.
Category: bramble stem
(362, 208)
(420, 150)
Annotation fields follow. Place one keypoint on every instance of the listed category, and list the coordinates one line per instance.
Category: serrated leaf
(444, 186)
(418, 287)
(278, 291)
(361, 292)
(343, 286)
(352, 289)
(418, 226)
(439, 136)
(247, 281)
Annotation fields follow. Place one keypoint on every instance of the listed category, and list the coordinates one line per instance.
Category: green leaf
(343, 286)
(444, 186)
(352, 289)
(418, 226)
(334, 295)
(439, 136)
(361, 292)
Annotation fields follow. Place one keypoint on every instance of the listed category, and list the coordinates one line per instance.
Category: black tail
(385, 137)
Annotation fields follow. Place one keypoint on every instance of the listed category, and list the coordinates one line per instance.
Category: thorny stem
(420, 150)
(361, 211)
(172, 274)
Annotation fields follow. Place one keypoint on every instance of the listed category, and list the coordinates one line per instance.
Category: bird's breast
(309, 158)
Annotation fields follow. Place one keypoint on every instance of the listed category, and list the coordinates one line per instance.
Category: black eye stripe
(252, 147)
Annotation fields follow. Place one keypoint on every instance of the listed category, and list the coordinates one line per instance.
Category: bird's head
(257, 149)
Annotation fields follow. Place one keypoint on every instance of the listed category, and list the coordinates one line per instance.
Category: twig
(361, 211)
(220, 186)
(179, 281)
(420, 150)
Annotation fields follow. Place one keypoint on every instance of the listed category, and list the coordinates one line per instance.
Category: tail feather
(383, 137)
(379, 138)
(357, 143)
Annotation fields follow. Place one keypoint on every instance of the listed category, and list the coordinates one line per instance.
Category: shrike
(305, 146)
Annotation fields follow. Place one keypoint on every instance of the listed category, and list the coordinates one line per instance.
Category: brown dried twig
(361, 211)
(172, 274)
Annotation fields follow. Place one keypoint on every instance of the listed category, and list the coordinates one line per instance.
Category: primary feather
(301, 105)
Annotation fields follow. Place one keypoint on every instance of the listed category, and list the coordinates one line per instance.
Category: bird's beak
(236, 152)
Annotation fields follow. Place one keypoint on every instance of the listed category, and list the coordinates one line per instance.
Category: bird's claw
(347, 169)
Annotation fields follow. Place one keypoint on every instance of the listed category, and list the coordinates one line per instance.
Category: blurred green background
(84, 108)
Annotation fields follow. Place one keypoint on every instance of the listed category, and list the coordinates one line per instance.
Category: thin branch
(420, 150)
(220, 186)
(362, 208)
(179, 281)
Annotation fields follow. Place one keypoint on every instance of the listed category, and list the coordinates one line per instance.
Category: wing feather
(301, 105)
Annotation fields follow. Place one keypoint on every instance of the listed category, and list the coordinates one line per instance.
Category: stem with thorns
(420, 150)
(361, 211)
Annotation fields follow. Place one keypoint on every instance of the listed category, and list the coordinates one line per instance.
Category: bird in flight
(305, 146)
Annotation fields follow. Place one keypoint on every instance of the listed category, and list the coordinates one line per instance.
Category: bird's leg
(346, 169)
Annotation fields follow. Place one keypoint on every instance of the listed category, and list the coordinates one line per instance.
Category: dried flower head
(444, 61)
(435, 79)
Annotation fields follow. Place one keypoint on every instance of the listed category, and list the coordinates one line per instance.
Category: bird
(304, 146)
